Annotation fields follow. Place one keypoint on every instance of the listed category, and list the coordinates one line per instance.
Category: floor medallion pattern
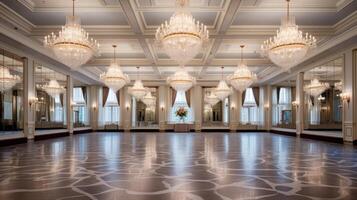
(174, 166)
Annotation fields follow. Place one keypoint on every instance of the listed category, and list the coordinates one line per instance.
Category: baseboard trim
(293, 134)
(322, 138)
(13, 141)
(50, 136)
(75, 132)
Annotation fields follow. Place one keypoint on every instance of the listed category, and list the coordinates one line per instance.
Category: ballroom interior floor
(178, 166)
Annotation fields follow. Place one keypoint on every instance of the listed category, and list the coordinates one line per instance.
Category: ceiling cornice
(15, 19)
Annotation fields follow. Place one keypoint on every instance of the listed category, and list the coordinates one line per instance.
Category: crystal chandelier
(290, 45)
(316, 88)
(72, 46)
(149, 100)
(242, 77)
(53, 88)
(138, 91)
(7, 80)
(211, 99)
(114, 77)
(182, 37)
(222, 90)
(181, 80)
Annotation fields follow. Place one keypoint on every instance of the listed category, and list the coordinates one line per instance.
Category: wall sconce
(94, 107)
(295, 104)
(233, 107)
(346, 97)
(32, 101)
(162, 108)
(127, 107)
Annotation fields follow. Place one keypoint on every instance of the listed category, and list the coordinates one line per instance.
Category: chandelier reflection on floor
(114, 78)
(316, 88)
(182, 37)
(138, 91)
(290, 45)
(72, 46)
(242, 77)
(222, 91)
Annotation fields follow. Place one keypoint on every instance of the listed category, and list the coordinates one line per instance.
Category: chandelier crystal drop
(211, 99)
(316, 88)
(242, 77)
(7, 80)
(182, 37)
(53, 88)
(72, 46)
(290, 45)
(149, 100)
(114, 78)
(181, 80)
(138, 91)
(222, 91)
(339, 86)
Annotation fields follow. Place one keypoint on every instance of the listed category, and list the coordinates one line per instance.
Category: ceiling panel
(157, 18)
(172, 3)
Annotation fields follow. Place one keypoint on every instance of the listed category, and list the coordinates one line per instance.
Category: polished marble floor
(176, 166)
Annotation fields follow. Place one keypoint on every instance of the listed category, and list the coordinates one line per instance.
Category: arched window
(180, 101)
(250, 109)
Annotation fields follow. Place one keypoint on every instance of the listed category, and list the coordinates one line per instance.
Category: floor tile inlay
(178, 166)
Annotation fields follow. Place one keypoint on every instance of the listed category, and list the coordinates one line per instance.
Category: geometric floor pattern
(178, 166)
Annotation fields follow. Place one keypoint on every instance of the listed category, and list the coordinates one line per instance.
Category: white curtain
(275, 113)
(80, 105)
(249, 111)
(284, 102)
(111, 110)
(315, 109)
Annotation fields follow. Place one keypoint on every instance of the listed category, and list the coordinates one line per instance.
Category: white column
(125, 109)
(268, 107)
(93, 105)
(163, 106)
(349, 118)
(300, 101)
(69, 104)
(29, 95)
(197, 106)
(234, 110)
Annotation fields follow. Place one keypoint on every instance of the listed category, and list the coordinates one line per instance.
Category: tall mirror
(215, 111)
(80, 104)
(145, 110)
(11, 93)
(50, 108)
(323, 106)
(283, 110)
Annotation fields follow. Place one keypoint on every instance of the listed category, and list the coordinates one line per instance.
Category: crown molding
(15, 19)
(29, 4)
(341, 4)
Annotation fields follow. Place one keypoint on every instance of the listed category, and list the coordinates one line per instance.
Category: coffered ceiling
(131, 25)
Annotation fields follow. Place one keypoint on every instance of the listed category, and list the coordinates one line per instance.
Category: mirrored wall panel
(283, 110)
(50, 104)
(215, 111)
(11, 93)
(323, 106)
(145, 110)
(80, 104)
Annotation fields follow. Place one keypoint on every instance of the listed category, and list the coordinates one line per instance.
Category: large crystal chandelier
(242, 77)
(53, 88)
(211, 99)
(149, 100)
(339, 86)
(114, 78)
(181, 80)
(222, 91)
(138, 91)
(290, 45)
(182, 37)
(316, 88)
(7, 80)
(72, 46)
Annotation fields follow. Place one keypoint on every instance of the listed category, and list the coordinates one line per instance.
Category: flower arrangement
(181, 112)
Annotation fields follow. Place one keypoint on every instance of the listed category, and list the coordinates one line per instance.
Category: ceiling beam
(136, 25)
(228, 18)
